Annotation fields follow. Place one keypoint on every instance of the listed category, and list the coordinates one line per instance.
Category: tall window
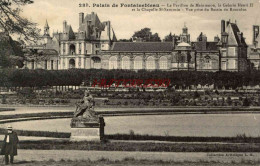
(32, 64)
(51, 64)
(46, 64)
(72, 49)
(163, 64)
(79, 48)
(64, 49)
(232, 51)
(71, 63)
(150, 63)
(125, 62)
(113, 62)
(138, 63)
(207, 63)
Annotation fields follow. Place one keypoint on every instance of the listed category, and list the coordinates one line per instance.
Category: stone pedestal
(86, 129)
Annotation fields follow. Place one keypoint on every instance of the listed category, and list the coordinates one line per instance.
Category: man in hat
(9, 146)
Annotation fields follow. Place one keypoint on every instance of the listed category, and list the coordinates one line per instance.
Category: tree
(125, 40)
(196, 95)
(168, 38)
(246, 102)
(12, 23)
(146, 35)
(11, 53)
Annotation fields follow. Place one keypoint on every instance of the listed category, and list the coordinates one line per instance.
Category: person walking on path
(9, 146)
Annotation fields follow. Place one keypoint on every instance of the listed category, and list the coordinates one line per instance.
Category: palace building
(94, 45)
(80, 49)
(254, 49)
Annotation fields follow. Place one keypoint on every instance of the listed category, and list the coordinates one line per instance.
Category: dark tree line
(75, 77)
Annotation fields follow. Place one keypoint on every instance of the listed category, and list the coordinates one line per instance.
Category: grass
(241, 138)
(6, 109)
(139, 146)
(128, 162)
(29, 115)
(38, 133)
(131, 136)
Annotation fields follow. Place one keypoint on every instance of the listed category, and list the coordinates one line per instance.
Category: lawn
(149, 146)
(127, 162)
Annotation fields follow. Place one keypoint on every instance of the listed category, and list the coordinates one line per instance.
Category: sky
(125, 21)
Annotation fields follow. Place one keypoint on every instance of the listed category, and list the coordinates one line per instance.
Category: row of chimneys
(223, 25)
(81, 20)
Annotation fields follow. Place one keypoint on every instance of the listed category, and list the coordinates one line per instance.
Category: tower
(255, 34)
(46, 29)
(185, 37)
(185, 29)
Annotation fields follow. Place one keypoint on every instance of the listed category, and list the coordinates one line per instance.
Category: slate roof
(210, 46)
(41, 52)
(48, 52)
(142, 47)
(236, 31)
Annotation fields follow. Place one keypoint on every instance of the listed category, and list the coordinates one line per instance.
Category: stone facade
(207, 54)
(94, 46)
(233, 48)
(254, 49)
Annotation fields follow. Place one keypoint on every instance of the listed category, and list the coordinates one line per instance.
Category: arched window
(96, 63)
(72, 49)
(126, 62)
(150, 63)
(138, 63)
(163, 63)
(113, 62)
(72, 63)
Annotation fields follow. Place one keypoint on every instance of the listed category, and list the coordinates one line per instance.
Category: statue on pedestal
(86, 125)
(85, 110)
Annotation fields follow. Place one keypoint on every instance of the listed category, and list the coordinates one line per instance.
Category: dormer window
(224, 38)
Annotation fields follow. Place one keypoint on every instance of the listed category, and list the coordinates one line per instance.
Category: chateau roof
(236, 32)
(48, 52)
(41, 52)
(210, 46)
(142, 46)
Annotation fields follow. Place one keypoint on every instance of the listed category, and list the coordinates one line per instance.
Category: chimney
(81, 18)
(222, 26)
(255, 32)
(216, 39)
(64, 26)
(228, 22)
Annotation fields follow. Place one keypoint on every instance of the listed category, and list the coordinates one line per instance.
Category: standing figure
(9, 147)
